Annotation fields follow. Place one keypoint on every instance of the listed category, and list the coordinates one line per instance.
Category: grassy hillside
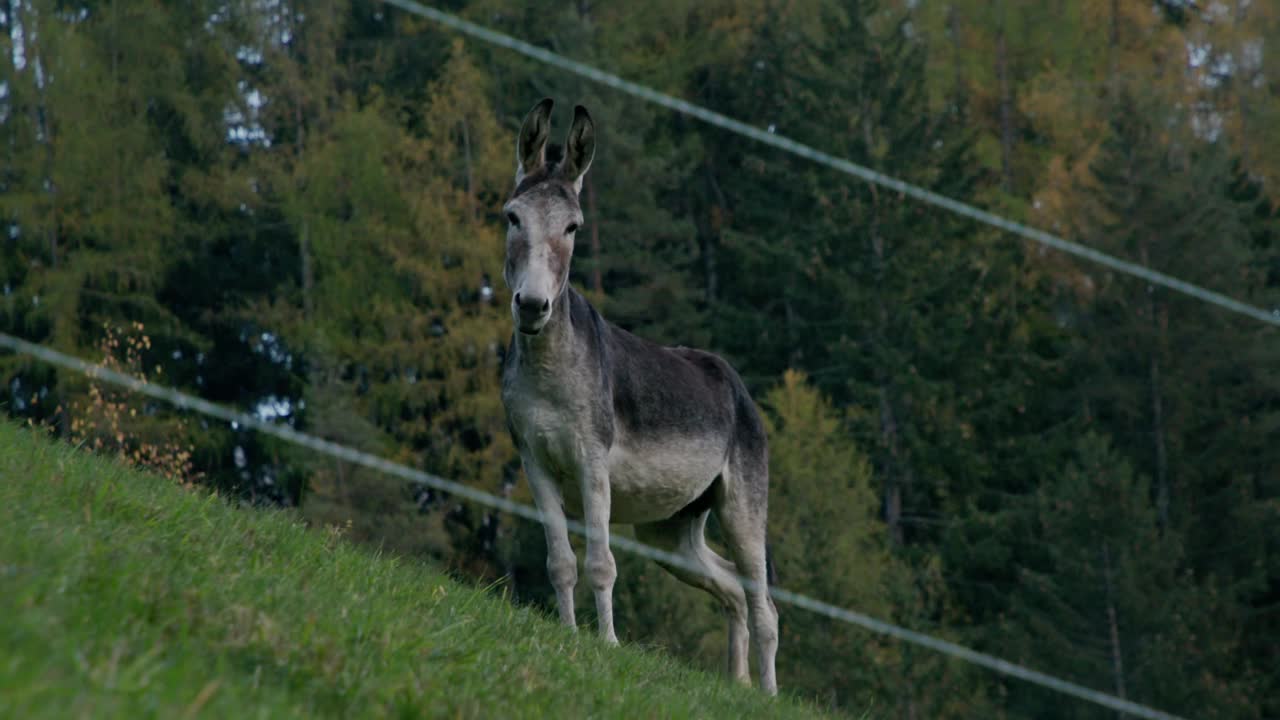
(123, 595)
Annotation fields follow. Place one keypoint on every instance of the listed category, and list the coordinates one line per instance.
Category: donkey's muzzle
(532, 313)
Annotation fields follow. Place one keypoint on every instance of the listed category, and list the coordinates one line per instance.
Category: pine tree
(1108, 601)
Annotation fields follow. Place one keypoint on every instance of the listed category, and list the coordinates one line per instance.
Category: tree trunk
(1006, 107)
(1113, 48)
(308, 279)
(794, 358)
(718, 212)
(1241, 87)
(1117, 657)
(895, 468)
(10, 106)
(116, 84)
(304, 235)
(959, 92)
(471, 181)
(1163, 489)
(43, 120)
(710, 279)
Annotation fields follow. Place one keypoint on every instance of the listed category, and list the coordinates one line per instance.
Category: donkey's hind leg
(742, 508)
(683, 535)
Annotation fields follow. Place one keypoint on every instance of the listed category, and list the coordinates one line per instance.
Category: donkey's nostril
(546, 305)
(517, 299)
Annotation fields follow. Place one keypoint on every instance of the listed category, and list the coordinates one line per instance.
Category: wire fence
(184, 401)
(840, 164)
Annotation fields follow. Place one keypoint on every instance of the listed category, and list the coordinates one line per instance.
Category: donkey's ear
(580, 148)
(531, 148)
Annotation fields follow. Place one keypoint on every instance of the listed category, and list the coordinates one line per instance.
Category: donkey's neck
(553, 349)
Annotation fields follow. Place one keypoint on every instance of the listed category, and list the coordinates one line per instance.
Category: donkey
(614, 428)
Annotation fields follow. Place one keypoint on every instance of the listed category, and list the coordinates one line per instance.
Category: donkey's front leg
(601, 570)
(562, 564)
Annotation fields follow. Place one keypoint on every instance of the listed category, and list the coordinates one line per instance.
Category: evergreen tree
(1157, 360)
(1109, 603)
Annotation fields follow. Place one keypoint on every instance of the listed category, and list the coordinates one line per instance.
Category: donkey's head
(543, 214)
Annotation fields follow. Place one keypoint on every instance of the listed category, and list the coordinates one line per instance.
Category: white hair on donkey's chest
(552, 429)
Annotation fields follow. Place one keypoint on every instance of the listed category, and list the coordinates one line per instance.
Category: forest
(294, 208)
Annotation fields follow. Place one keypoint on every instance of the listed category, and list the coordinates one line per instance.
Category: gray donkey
(613, 428)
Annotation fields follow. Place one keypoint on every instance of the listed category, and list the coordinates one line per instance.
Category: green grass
(124, 595)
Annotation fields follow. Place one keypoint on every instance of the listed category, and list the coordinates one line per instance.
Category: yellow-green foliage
(406, 350)
(825, 536)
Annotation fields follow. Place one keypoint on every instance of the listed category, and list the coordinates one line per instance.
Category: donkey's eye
(515, 221)
(573, 228)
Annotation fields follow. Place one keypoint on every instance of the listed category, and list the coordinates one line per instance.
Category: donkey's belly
(655, 482)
